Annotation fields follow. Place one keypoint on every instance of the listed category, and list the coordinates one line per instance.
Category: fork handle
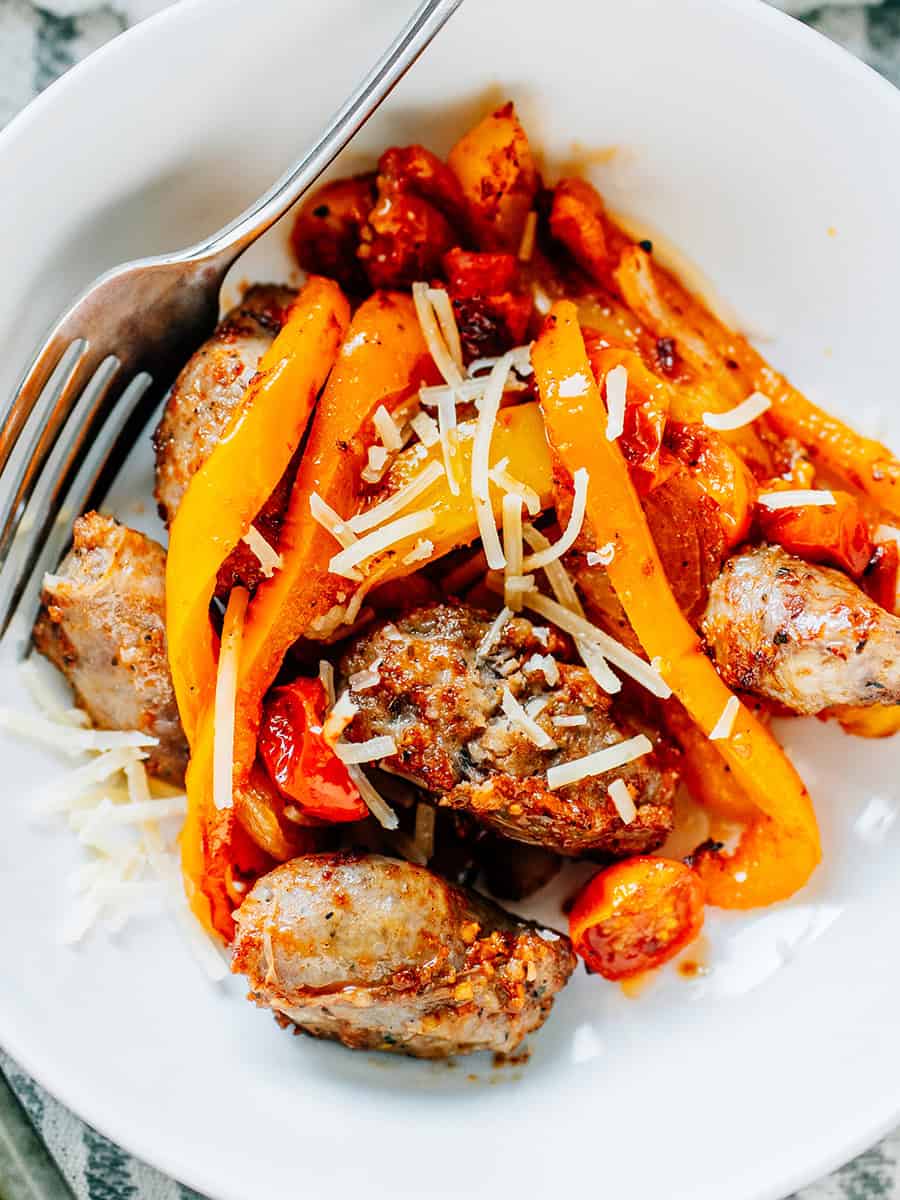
(225, 246)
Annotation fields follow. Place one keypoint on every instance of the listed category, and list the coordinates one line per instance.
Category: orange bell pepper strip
(575, 427)
(234, 483)
(384, 360)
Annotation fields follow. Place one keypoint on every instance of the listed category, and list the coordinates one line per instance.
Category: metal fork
(112, 356)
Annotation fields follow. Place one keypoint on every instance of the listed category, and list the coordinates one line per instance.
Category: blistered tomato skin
(636, 915)
(298, 758)
(836, 534)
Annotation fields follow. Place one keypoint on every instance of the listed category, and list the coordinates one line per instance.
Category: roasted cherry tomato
(636, 915)
(836, 534)
(470, 273)
(719, 471)
(300, 760)
(880, 579)
(646, 409)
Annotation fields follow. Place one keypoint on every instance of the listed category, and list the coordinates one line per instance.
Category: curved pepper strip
(220, 503)
(230, 488)
(660, 300)
(575, 426)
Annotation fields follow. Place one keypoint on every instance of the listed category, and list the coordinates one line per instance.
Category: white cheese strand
(519, 718)
(507, 483)
(616, 396)
(599, 762)
(267, 556)
(533, 562)
(512, 549)
(401, 499)
(612, 650)
(347, 561)
(331, 521)
(490, 639)
(443, 310)
(742, 414)
(434, 340)
(620, 794)
(803, 498)
(387, 429)
(723, 727)
(364, 752)
(226, 696)
(374, 801)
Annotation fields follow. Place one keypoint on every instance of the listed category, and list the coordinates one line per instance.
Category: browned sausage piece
(383, 955)
(102, 623)
(804, 636)
(441, 702)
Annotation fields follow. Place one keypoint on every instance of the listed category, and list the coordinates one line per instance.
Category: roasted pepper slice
(236, 480)
(573, 410)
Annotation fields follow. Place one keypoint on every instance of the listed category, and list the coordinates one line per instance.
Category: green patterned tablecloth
(38, 41)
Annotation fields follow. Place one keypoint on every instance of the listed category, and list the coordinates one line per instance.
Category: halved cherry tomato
(836, 534)
(720, 472)
(471, 273)
(636, 915)
(298, 758)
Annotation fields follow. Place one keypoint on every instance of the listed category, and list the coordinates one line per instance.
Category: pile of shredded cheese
(126, 822)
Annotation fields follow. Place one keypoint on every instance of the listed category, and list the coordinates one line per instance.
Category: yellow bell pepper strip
(236, 480)
(575, 419)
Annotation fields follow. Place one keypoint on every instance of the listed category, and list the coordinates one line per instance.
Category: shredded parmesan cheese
(434, 340)
(226, 695)
(616, 393)
(448, 436)
(443, 310)
(612, 650)
(269, 559)
(742, 414)
(723, 727)
(64, 793)
(423, 550)
(506, 483)
(564, 590)
(512, 549)
(394, 504)
(367, 678)
(602, 557)
(519, 719)
(546, 664)
(492, 637)
(376, 464)
(471, 390)
(342, 713)
(570, 722)
(374, 801)
(387, 429)
(620, 794)
(364, 752)
(70, 739)
(43, 693)
(798, 499)
(598, 762)
(541, 558)
(526, 245)
(347, 561)
(330, 521)
(488, 408)
(425, 428)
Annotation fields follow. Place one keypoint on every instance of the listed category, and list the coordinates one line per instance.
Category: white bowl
(762, 152)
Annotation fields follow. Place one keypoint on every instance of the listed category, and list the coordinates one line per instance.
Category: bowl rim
(865, 1125)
